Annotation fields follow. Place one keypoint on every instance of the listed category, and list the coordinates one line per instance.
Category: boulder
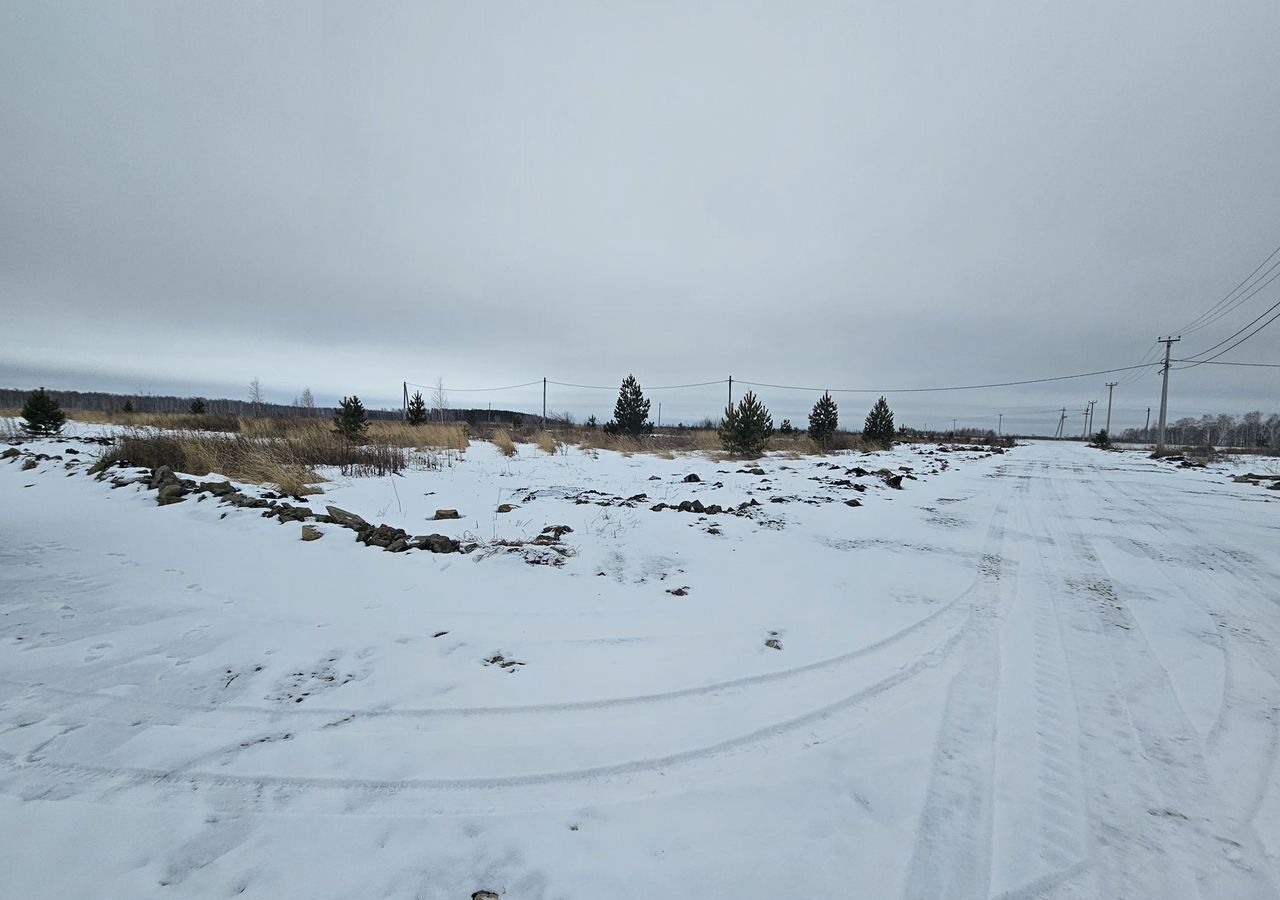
(436, 543)
(162, 475)
(853, 503)
(287, 512)
(346, 519)
(446, 514)
(311, 533)
(505, 507)
(29, 465)
(658, 507)
(696, 506)
(10, 453)
(246, 502)
(170, 492)
(218, 488)
(773, 644)
(692, 478)
(384, 536)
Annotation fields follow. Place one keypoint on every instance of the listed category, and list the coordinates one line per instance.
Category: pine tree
(746, 430)
(878, 429)
(128, 406)
(44, 416)
(823, 420)
(350, 420)
(786, 427)
(591, 421)
(631, 412)
(417, 412)
(197, 406)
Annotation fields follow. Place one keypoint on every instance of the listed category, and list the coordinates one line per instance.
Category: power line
(959, 387)
(1193, 361)
(1209, 316)
(1224, 362)
(661, 387)
(510, 387)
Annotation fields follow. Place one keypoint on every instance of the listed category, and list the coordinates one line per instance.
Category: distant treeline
(13, 398)
(1253, 429)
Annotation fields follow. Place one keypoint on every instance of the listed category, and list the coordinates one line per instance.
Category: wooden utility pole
(404, 409)
(1000, 425)
(731, 392)
(544, 404)
(1164, 388)
(1111, 386)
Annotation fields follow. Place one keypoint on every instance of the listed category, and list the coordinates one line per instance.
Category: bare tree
(255, 396)
(306, 402)
(439, 399)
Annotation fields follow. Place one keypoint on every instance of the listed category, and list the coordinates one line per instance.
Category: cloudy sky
(850, 195)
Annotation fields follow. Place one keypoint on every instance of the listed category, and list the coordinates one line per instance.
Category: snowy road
(1053, 673)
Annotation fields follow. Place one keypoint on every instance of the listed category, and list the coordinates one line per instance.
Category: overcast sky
(862, 195)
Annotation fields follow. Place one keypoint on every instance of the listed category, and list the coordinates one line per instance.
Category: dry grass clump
(502, 440)
(236, 457)
(380, 432)
(546, 443)
(165, 421)
(287, 462)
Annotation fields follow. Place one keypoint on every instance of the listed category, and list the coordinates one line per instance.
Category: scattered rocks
(503, 663)
(311, 533)
(287, 512)
(679, 592)
(446, 514)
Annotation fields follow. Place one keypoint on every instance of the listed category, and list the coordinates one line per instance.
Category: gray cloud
(350, 195)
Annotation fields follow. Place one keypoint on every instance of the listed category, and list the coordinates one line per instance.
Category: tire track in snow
(1182, 846)
(951, 856)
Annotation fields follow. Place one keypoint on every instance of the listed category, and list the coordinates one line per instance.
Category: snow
(1052, 672)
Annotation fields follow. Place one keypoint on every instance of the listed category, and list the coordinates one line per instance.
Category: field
(919, 673)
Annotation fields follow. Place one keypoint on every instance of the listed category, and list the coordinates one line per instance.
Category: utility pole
(1146, 428)
(1164, 388)
(1091, 405)
(1084, 434)
(544, 403)
(404, 409)
(659, 413)
(1062, 422)
(953, 426)
(1000, 425)
(1111, 386)
(731, 392)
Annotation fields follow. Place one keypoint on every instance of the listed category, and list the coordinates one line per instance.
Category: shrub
(1101, 440)
(546, 443)
(350, 420)
(823, 420)
(416, 413)
(197, 406)
(747, 428)
(128, 406)
(631, 412)
(42, 414)
(878, 428)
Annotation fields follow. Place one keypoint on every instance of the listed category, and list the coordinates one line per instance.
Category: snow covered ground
(1049, 673)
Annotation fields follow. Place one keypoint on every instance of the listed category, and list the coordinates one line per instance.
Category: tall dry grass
(546, 443)
(502, 440)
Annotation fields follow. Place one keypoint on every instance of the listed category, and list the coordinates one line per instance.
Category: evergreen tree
(823, 420)
(591, 421)
(786, 427)
(1101, 440)
(878, 429)
(197, 406)
(746, 429)
(631, 412)
(128, 406)
(350, 420)
(417, 413)
(44, 416)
